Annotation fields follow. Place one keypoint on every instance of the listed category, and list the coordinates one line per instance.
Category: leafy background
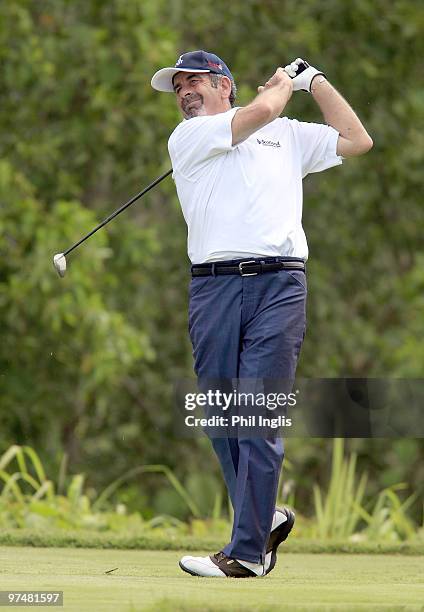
(87, 363)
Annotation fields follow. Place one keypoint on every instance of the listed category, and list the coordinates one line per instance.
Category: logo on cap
(179, 60)
(214, 65)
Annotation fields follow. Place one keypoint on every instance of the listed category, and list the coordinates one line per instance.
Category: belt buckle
(245, 263)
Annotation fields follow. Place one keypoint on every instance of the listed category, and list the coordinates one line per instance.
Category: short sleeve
(318, 146)
(196, 140)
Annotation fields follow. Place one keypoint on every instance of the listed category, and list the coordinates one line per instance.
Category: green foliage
(340, 513)
(87, 363)
(29, 500)
(388, 519)
(336, 517)
(61, 345)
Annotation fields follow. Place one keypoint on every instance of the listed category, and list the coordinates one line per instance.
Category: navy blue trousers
(249, 327)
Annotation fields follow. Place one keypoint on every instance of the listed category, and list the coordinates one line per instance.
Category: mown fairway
(152, 580)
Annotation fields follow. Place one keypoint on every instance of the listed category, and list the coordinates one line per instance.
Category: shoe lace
(219, 556)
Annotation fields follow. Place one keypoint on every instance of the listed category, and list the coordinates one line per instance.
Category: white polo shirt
(246, 200)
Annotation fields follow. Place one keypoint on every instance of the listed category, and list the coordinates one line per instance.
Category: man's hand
(302, 74)
(280, 77)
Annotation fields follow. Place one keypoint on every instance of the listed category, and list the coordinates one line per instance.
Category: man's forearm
(339, 114)
(275, 97)
(268, 104)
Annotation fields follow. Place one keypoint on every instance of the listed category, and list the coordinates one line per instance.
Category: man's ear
(225, 87)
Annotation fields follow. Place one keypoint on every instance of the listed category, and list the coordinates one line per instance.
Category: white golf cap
(193, 61)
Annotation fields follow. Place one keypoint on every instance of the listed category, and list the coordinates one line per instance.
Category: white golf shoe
(219, 565)
(222, 566)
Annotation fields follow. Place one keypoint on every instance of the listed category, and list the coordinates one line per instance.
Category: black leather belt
(246, 268)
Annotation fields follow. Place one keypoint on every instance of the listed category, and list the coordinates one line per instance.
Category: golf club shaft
(117, 212)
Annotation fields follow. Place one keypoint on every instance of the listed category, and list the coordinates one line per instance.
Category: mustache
(189, 99)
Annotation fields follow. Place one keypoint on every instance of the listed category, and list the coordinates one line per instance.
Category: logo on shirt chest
(268, 143)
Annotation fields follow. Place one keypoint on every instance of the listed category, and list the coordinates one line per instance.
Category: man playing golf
(238, 173)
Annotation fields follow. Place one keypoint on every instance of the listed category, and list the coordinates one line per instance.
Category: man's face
(197, 96)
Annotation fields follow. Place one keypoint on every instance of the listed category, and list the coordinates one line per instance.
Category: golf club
(59, 260)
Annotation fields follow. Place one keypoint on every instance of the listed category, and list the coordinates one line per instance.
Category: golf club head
(59, 262)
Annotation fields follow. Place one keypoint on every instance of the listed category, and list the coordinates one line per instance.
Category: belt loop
(213, 270)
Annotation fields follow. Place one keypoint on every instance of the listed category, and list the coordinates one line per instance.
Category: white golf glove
(302, 74)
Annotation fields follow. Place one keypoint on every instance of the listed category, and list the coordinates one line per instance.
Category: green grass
(60, 538)
(152, 580)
